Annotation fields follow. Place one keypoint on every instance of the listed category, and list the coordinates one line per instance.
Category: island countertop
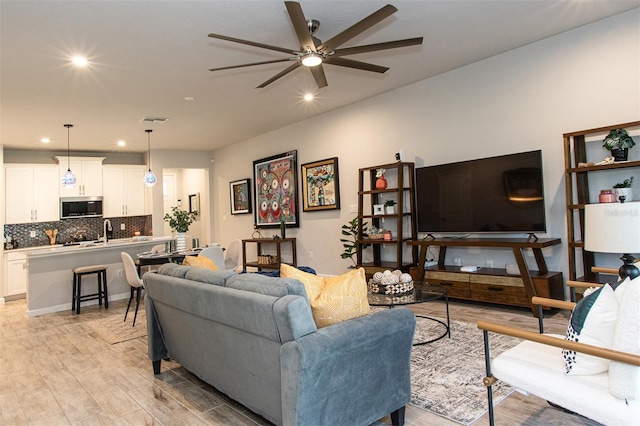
(51, 277)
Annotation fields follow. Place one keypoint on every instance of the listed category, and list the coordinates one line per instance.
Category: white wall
(518, 101)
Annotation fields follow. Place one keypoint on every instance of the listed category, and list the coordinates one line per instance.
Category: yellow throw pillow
(332, 299)
(200, 262)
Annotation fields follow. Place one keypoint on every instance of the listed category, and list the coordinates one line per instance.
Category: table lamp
(614, 228)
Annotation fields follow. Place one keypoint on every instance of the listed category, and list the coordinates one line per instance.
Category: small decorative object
(390, 207)
(623, 190)
(320, 188)
(387, 235)
(391, 282)
(381, 182)
(52, 234)
(606, 196)
(351, 230)
(376, 233)
(266, 259)
(283, 229)
(618, 142)
(378, 209)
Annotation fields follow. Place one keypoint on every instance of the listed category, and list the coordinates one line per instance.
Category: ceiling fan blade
(300, 25)
(357, 28)
(253, 43)
(252, 64)
(319, 77)
(280, 74)
(350, 63)
(377, 46)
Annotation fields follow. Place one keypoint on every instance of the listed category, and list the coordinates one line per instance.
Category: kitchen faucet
(106, 225)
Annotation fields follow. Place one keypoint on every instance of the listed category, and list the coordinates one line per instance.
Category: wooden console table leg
(529, 288)
(422, 259)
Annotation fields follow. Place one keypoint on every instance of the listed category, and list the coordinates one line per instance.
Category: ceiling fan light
(311, 60)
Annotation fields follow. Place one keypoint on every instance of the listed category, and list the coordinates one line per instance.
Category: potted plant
(618, 142)
(180, 220)
(623, 189)
(351, 230)
(390, 207)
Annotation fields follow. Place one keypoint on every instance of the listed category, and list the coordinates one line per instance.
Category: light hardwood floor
(54, 370)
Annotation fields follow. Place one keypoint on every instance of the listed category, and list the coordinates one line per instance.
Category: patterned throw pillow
(200, 262)
(592, 322)
(333, 299)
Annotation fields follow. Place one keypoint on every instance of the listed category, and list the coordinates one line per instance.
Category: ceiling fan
(313, 53)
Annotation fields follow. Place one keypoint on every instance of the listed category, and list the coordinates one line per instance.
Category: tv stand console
(493, 284)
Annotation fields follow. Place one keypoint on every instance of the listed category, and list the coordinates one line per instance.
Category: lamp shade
(612, 227)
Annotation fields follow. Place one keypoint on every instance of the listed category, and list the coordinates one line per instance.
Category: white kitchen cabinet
(123, 190)
(32, 193)
(17, 273)
(88, 173)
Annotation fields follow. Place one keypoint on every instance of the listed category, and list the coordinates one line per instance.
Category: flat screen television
(495, 194)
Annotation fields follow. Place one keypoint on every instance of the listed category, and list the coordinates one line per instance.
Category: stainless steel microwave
(79, 207)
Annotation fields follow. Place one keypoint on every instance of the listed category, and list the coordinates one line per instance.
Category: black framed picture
(240, 191)
(320, 185)
(276, 190)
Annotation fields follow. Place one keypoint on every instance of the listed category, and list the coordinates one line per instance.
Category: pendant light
(69, 179)
(149, 177)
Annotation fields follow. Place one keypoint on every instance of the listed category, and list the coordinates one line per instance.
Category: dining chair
(214, 253)
(233, 256)
(131, 274)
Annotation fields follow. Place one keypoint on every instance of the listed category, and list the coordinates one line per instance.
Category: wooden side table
(274, 261)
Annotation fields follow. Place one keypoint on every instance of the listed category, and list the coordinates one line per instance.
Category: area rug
(446, 375)
(113, 329)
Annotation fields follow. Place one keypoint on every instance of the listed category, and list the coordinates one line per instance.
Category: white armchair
(536, 366)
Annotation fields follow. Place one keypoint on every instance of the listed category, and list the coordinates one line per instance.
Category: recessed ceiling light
(79, 61)
(121, 143)
(308, 97)
(45, 140)
(190, 98)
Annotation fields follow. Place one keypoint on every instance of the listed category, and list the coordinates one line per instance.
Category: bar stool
(77, 297)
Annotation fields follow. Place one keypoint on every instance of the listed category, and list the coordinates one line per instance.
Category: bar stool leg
(78, 293)
(73, 293)
(106, 292)
(100, 290)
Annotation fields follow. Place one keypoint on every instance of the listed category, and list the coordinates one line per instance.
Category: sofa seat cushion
(538, 369)
(270, 286)
(333, 299)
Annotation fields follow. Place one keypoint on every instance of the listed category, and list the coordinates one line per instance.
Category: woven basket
(266, 259)
(376, 236)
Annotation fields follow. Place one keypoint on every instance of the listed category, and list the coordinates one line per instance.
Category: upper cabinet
(88, 172)
(124, 190)
(32, 193)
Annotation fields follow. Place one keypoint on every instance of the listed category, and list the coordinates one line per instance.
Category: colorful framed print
(276, 190)
(240, 196)
(320, 185)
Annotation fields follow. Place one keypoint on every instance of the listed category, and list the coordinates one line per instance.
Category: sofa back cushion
(202, 275)
(270, 286)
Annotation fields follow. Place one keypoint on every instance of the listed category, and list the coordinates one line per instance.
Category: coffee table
(422, 293)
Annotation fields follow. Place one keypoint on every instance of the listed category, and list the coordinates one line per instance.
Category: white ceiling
(146, 57)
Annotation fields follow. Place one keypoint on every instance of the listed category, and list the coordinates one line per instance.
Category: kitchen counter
(50, 276)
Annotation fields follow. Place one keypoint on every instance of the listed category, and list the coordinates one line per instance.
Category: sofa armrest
(354, 372)
(561, 343)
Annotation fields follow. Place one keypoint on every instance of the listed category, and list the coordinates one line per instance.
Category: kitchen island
(51, 279)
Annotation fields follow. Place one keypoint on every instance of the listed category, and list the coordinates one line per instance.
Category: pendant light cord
(149, 146)
(68, 126)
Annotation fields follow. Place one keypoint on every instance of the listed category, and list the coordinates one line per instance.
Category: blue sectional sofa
(254, 338)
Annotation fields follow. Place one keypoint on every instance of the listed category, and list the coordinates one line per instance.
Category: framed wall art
(240, 191)
(320, 185)
(194, 203)
(276, 190)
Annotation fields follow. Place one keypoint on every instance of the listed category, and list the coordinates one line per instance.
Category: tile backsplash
(91, 227)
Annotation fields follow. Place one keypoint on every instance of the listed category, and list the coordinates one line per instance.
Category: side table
(272, 262)
(422, 293)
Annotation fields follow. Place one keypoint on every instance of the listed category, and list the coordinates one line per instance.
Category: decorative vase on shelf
(181, 241)
(381, 183)
(623, 192)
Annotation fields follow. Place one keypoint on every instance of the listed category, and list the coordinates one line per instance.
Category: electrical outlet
(489, 263)
(122, 227)
(119, 273)
(353, 208)
(32, 234)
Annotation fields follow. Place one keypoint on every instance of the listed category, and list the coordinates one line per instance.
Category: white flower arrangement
(380, 172)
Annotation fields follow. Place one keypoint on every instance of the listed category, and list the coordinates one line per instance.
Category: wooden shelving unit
(578, 193)
(402, 223)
